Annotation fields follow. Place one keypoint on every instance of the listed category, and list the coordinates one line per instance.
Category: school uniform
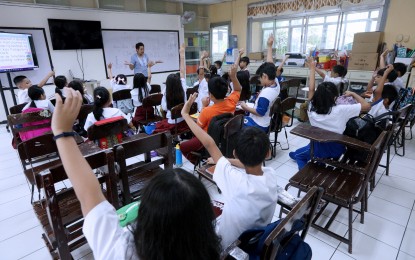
(335, 121)
(23, 96)
(203, 92)
(140, 64)
(249, 200)
(117, 87)
(109, 112)
(105, 236)
(398, 84)
(378, 108)
(44, 104)
(140, 111)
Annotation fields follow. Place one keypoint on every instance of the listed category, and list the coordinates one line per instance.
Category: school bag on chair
(216, 130)
(252, 242)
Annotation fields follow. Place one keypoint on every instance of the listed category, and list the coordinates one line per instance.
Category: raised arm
(201, 61)
(283, 62)
(312, 77)
(149, 65)
(270, 42)
(203, 136)
(84, 182)
(45, 79)
(182, 61)
(378, 92)
(109, 66)
(240, 53)
(369, 88)
(224, 57)
(382, 63)
(321, 72)
(235, 82)
(365, 105)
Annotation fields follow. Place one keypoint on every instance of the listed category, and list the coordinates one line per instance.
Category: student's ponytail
(140, 83)
(35, 93)
(101, 98)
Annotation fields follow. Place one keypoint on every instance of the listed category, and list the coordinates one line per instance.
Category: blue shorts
(248, 121)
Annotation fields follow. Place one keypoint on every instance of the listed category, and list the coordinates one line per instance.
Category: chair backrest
(293, 87)
(152, 100)
(288, 108)
(34, 150)
(155, 88)
(64, 216)
(191, 91)
(121, 94)
(231, 129)
(283, 90)
(31, 124)
(275, 113)
(131, 186)
(107, 130)
(302, 212)
(17, 109)
(176, 110)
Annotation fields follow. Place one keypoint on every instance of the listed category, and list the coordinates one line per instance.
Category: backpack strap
(376, 102)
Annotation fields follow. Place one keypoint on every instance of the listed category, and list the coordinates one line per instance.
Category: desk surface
(321, 135)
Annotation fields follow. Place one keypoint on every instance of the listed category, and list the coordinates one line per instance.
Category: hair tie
(120, 80)
(98, 96)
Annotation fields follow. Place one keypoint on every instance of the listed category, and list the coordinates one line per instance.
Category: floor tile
(12, 182)
(338, 255)
(411, 222)
(320, 249)
(41, 254)
(389, 233)
(23, 244)
(15, 193)
(399, 183)
(407, 245)
(388, 210)
(404, 256)
(15, 207)
(391, 194)
(366, 247)
(17, 224)
(336, 227)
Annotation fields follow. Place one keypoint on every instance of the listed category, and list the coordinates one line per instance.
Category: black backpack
(216, 131)
(367, 129)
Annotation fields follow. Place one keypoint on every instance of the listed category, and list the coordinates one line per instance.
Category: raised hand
(270, 40)
(65, 114)
(188, 104)
(109, 65)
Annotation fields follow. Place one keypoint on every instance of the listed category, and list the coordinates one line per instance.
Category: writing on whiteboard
(16, 52)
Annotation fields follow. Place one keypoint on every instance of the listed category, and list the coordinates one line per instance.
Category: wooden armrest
(323, 136)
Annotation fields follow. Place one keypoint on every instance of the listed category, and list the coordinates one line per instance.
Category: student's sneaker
(292, 155)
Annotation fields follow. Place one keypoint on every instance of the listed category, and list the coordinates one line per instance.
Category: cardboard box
(372, 37)
(256, 56)
(365, 47)
(363, 61)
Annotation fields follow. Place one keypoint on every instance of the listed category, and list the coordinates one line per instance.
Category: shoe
(292, 155)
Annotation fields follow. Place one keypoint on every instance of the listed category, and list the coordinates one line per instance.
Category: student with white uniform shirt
(324, 113)
(38, 99)
(23, 84)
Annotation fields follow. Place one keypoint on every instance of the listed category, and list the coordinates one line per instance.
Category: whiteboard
(42, 52)
(119, 46)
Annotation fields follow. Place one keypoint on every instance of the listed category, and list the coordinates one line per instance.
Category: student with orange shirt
(222, 104)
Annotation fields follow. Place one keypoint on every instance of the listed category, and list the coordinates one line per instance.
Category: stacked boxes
(365, 51)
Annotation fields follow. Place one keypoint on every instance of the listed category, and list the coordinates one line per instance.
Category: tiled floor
(388, 232)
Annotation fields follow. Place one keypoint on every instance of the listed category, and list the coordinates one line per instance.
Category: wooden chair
(26, 122)
(151, 101)
(279, 121)
(300, 216)
(122, 100)
(190, 91)
(108, 131)
(17, 109)
(155, 88)
(398, 133)
(344, 183)
(133, 177)
(283, 90)
(176, 114)
(60, 213)
(294, 85)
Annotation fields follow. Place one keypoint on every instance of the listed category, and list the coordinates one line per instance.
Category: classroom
(207, 129)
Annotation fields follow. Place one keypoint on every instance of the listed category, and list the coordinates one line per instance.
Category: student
(249, 191)
(119, 82)
(218, 88)
(102, 109)
(400, 69)
(280, 69)
(23, 84)
(203, 84)
(79, 86)
(243, 63)
(336, 75)
(172, 203)
(38, 97)
(384, 95)
(141, 89)
(324, 113)
(174, 95)
(60, 82)
(218, 65)
(376, 77)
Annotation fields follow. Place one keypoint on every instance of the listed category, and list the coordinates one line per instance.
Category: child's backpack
(405, 97)
(216, 130)
(252, 242)
(40, 131)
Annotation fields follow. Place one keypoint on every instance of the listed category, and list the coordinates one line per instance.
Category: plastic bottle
(179, 159)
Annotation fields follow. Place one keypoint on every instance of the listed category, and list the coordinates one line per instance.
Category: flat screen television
(75, 34)
(17, 52)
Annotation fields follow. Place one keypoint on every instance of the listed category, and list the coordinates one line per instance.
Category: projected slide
(17, 52)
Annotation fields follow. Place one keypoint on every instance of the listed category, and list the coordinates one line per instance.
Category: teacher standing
(139, 60)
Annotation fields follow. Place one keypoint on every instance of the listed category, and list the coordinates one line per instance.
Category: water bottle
(179, 159)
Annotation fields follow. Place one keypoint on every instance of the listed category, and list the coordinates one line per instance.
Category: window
(219, 41)
(326, 31)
